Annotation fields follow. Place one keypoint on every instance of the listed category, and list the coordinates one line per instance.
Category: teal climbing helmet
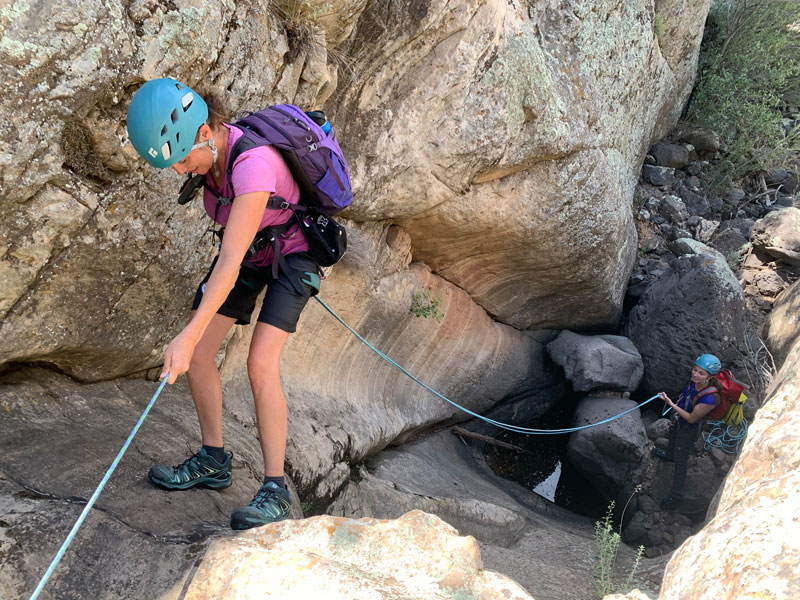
(163, 119)
(709, 362)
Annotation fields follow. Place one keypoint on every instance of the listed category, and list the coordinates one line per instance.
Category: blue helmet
(709, 362)
(163, 119)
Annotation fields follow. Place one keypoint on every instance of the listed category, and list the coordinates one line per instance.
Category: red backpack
(730, 393)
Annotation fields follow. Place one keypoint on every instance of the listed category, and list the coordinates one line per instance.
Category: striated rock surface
(417, 556)
(502, 146)
(494, 132)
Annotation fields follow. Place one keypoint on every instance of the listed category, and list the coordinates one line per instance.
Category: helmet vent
(163, 131)
(186, 101)
(166, 152)
(173, 116)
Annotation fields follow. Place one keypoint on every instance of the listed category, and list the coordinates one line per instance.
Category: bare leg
(204, 381)
(263, 368)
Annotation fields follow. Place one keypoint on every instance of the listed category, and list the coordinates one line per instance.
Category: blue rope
(727, 438)
(506, 426)
(91, 502)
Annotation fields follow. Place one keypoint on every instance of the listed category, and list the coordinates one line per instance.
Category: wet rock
(597, 362)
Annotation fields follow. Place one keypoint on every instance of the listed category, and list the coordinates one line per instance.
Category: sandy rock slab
(417, 556)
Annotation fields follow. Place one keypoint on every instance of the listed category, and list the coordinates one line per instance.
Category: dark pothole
(542, 465)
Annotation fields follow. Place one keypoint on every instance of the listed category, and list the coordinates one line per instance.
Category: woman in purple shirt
(692, 407)
(172, 126)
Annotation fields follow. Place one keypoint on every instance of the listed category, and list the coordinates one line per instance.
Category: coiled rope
(727, 438)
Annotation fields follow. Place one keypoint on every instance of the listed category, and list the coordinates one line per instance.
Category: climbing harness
(92, 500)
(506, 426)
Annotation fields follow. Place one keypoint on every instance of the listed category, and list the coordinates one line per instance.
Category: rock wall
(493, 132)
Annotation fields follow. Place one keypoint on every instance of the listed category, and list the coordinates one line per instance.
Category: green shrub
(751, 71)
(608, 541)
(422, 305)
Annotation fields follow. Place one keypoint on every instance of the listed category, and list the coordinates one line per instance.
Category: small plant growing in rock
(423, 305)
(608, 542)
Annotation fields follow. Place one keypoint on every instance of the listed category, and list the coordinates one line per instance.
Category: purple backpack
(309, 148)
(307, 143)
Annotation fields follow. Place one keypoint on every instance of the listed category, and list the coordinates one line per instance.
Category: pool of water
(542, 466)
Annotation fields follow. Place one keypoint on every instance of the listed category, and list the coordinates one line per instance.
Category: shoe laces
(264, 496)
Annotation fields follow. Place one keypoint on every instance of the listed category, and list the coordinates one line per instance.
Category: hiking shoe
(659, 453)
(199, 469)
(270, 504)
(671, 502)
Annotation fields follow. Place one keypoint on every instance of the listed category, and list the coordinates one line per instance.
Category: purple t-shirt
(260, 169)
(688, 401)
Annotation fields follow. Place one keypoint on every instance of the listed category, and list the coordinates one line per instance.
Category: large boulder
(597, 362)
(417, 557)
(778, 234)
(695, 307)
(782, 327)
(612, 455)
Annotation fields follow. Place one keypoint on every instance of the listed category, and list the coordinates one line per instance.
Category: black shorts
(283, 301)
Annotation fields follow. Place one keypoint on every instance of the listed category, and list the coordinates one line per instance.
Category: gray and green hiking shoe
(200, 469)
(270, 504)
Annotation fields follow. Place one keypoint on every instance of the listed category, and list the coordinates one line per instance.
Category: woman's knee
(263, 366)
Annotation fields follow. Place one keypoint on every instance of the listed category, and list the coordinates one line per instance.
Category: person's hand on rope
(667, 399)
(177, 357)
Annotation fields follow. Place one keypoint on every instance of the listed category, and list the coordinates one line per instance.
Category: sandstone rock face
(754, 533)
(612, 455)
(416, 556)
(783, 324)
(493, 131)
(525, 104)
(597, 362)
(694, 308)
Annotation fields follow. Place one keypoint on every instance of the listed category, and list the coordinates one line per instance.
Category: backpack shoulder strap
(704, 392)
